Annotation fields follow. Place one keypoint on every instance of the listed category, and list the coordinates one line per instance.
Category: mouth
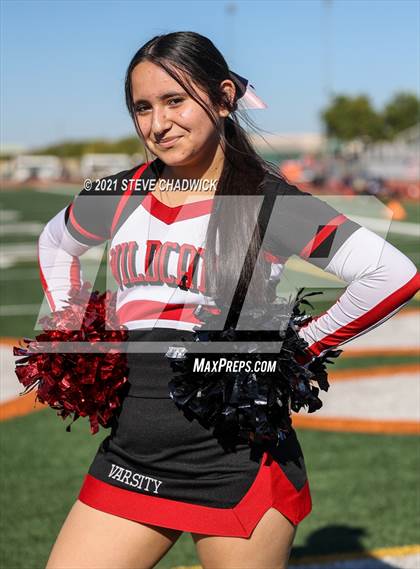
(167, 142)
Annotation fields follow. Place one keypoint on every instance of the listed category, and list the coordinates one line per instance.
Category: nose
(160, 123)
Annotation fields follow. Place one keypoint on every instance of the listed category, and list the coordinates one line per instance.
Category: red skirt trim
(271, 488)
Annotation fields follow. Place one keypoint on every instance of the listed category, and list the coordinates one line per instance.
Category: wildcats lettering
(190, 273)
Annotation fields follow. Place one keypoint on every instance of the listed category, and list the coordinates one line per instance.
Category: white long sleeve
(381, 281)
(58, 257)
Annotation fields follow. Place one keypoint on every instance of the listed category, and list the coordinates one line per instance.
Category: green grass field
(364, 489)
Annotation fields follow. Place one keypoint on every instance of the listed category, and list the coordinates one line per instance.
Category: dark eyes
(176, 99)
(142, 108)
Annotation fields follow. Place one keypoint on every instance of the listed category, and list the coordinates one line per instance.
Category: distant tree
(63, 150)
(348, 118)
(76, 149)
(402, 111)
(129, 145)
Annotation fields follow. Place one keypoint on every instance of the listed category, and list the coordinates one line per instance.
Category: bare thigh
(268, 547)
(92, 539)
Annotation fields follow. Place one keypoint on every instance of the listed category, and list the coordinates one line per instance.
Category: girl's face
(174, 126)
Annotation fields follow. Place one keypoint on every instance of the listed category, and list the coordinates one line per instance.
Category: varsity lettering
(141, 481)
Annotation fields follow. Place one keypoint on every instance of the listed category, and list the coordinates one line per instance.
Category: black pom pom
(244, 405)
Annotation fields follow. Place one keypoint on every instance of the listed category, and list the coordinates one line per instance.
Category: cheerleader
(158, 474)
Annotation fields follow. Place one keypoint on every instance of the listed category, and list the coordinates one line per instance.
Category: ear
(229, 95)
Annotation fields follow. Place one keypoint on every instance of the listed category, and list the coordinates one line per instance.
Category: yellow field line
(299, 266)
(372, 553)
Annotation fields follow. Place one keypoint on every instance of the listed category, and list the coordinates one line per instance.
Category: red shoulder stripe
(316, 241)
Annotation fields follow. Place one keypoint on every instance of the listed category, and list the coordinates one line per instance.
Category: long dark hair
(243, 171)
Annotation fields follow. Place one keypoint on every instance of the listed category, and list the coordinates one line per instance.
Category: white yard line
(394, 397)
(387, 225)
(61, 190)
(14, 253)
(8, 215)
(19, 309)
(22, 228)
(9, 384)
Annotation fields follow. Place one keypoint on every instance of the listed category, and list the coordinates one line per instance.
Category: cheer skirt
(159, 468)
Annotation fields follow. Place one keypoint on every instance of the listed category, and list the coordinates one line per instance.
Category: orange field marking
(354, 425)
(7, 341)
(380, 352)
(352, 373)
(21, 405)
(409, 309)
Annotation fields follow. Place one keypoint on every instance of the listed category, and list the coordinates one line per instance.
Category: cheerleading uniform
(155, 466)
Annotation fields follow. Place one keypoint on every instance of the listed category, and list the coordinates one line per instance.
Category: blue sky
(63, 62)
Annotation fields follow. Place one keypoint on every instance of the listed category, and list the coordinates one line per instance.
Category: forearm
(381, 281)
(58, 257)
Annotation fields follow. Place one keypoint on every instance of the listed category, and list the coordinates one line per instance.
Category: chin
(172, 159)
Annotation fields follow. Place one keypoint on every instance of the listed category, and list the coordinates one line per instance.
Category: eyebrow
(163, 97)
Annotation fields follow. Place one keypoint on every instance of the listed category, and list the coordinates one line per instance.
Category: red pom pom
(83, 384)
